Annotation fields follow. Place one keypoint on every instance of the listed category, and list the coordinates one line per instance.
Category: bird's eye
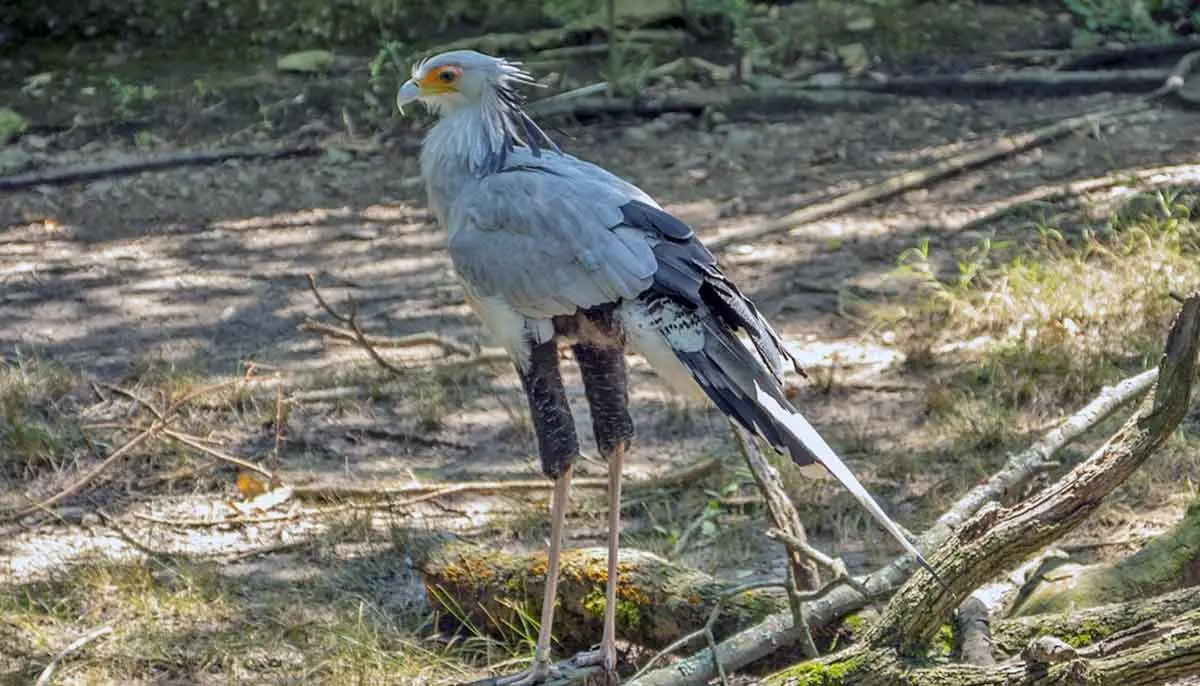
(447, 76)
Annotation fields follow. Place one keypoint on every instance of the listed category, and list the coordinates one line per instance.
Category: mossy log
(1165, 652)
(1168, 562)
(657, 601)
(1086, 627)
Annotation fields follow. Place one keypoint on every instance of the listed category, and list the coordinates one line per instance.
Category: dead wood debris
(160, 425)
(997, 538)
(778, 630)
(1171, 88)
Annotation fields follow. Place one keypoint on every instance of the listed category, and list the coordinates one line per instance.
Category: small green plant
(1132, 20)
(129, 96)
(390, 64)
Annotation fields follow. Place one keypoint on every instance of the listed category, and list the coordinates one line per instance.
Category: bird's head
(461, 78)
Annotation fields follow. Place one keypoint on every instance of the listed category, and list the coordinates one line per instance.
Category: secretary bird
(547, 247)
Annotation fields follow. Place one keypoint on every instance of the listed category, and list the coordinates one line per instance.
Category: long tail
(746, 389)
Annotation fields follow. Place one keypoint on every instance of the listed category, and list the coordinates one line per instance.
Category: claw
(539, 672)
(605, 656)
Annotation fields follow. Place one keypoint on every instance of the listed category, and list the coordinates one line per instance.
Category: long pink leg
(608, 641)
(540, 669)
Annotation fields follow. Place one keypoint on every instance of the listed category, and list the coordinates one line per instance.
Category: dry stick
(136, 166)
(48, 673)
(1153, 177)
(1004, 147)
(783, 512)
(351, 321)
(778, 630)
(162, 419)
(802, 571)
(194, 442)
(87, 478)
(416, 340)
(683, 475)
(429, 492)
(916, 178)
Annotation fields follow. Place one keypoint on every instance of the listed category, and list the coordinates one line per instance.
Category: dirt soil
(204, 269)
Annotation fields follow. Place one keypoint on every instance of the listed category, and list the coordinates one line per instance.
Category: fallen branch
(1004, 147)
(1164, 564)
(778, 630)
(1151, 655)
(804, 573)
(187, 158)
(916, 178)
(1022, 82)
(1142, 179)
(996, 539)
(1088, 626)
(47, 675)
(1093, 58)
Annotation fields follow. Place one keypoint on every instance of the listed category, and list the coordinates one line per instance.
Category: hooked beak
(408, 93)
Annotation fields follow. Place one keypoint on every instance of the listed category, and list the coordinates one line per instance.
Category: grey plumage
(547, 245)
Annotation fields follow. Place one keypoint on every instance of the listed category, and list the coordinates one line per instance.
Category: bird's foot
(541, 671)
(605, 656)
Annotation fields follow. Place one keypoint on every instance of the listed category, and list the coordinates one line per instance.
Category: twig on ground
(279, 428)
(195, 443)
(351, 320)
(1021, 82)
(417, 340)
(87, 478)
(683, 475)
(916, 178)
(778, 630)
(187, 158)
(1154, 177)
(47, 675)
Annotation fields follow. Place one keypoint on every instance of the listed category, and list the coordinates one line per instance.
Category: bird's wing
(547, 235)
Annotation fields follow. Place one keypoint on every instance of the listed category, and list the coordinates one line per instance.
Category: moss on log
(1085, 627)
(1166, 563)
(1165, 652)
(657, 601)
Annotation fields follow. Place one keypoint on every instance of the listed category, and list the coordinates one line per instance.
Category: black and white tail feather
(693, 313)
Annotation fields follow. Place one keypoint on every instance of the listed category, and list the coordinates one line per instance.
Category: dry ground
(163, 282)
